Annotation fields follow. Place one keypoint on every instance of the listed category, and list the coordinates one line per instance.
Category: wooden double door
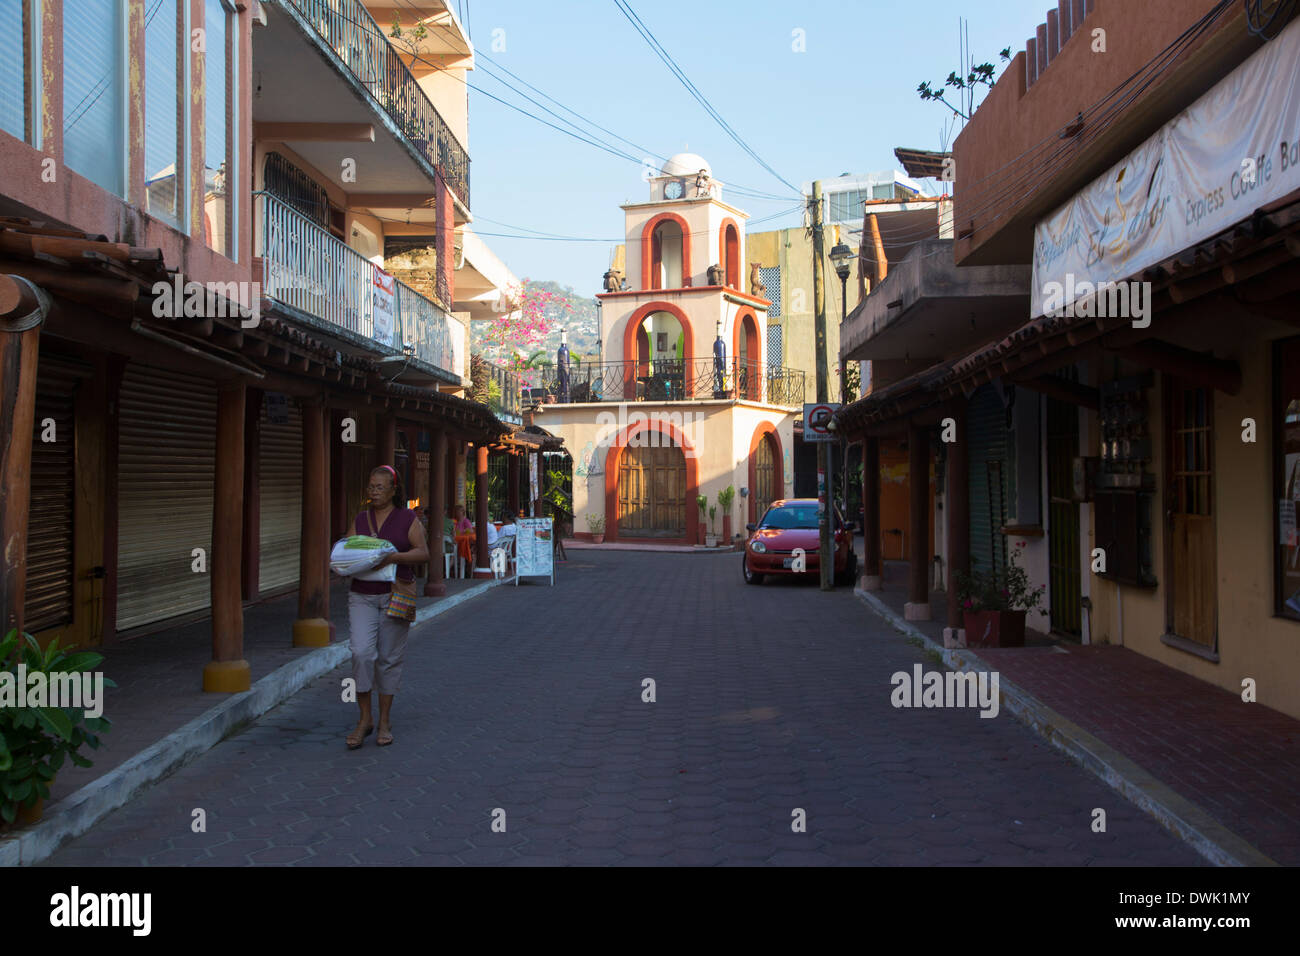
(652, 492)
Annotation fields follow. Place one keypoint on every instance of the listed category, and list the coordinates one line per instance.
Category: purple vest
(396, 529)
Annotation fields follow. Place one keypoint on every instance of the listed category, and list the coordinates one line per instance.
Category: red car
(790, 524)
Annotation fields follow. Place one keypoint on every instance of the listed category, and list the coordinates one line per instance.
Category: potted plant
(596, 525)
(34, 741)
(711, 539)
(725, 497)
(703, 503)
(994, 606)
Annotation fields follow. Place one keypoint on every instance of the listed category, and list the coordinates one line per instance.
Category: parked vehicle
(788, 525)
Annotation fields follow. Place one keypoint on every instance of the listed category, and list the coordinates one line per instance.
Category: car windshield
(790, 516)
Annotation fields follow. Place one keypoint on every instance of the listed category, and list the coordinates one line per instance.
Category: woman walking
(379, 638)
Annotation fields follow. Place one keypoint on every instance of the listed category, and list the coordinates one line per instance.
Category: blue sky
(841, 105)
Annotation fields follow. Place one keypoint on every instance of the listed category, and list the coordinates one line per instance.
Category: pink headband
(390, 470)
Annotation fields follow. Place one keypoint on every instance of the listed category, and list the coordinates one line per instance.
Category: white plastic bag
(357, 555)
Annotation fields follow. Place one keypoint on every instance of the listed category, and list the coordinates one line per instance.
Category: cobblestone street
(528, 701)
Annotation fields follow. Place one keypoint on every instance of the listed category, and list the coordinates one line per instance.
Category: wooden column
(338, 488)
(22, 313)
(312, 628)
(386, 441)
(228, 672)
(482, 569)
(250, 562)
(114, 369)
(512, 483)
(917, 607)
(957, 510)
(872, 573)
(434, 585)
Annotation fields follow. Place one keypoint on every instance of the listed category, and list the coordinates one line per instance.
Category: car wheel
(751, 577)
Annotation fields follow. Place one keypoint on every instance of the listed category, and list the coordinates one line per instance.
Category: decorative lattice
(771, 278)
(775, 343)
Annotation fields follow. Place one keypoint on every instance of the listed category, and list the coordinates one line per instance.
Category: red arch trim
(765, 431)
(730, 269)
(630, 336)
(647, 236)
(692, 477)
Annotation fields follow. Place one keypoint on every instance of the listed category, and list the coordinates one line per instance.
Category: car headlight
(758, 547)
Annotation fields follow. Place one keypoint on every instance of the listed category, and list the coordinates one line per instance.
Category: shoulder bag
(401, 602)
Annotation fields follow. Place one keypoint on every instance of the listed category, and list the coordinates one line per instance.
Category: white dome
(686, 164)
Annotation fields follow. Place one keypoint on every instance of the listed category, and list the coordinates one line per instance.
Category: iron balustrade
(308, 269)
(498, 388)
(666, 381)
(347, 27)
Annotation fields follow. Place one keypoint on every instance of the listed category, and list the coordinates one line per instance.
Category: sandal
(354, 742)
(384, 739)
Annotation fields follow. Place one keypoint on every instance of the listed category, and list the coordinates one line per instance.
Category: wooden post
(386, 441)
(312, 628)
(338, 488)
(434, 585)
(872, 572)
(957, 509)
(512, 483)
(482, 568)
(917, 607)
(250, 563)
(228, 672)
(22, 312)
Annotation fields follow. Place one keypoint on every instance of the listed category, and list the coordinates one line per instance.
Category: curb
(77, 813)
(1184, 819)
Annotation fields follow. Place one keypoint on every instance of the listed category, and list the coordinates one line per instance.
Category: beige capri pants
(378, 643)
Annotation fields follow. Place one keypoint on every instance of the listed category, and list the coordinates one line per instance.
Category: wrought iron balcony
(498, 388)
(311, 271)
(699, 379)
(346, 27)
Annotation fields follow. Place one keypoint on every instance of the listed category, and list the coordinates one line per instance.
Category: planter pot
(710, 540)
(598, 538)
(994, 628)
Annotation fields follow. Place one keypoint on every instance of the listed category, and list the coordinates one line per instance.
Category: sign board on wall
(1235, 149)
(816, 418)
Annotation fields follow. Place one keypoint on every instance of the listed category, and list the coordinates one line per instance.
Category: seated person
(463, 524)
(508, 527)
(448, 525)
(493, 534)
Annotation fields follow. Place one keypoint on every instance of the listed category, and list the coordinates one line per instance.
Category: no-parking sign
(816, 416)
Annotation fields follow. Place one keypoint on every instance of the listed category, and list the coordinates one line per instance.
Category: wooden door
(764, 477)
(1191, 597)
(652, 492)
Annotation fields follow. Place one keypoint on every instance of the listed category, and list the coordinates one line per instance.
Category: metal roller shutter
(987, 420)
(166, 459)
(280, 498)
(50, 569)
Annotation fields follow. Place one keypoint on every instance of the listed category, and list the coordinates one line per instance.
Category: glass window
(163, 110)
(217, 175)
(94, 118)
(1287, 458)
(14, 62)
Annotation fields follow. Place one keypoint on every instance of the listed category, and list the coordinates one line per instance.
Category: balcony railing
(347, 28)
(666, 381)
(312, 271)
(498, 388)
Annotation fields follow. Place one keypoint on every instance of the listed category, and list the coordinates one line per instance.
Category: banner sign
(534, 549)
(384, 297)
(1235, 149)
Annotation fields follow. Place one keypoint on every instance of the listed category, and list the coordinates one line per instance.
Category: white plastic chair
(506, 545)
(451, 556)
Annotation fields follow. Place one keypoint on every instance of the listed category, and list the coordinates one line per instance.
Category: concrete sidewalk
(162, 719)
(1221, 774)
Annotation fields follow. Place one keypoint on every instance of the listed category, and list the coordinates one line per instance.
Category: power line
(627, 11)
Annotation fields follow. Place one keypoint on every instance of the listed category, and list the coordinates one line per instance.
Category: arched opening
(766, 470)
(749, 358)
(666, 252)
(666, 256)
(730, 254)
(657, 342)
(651, 475)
